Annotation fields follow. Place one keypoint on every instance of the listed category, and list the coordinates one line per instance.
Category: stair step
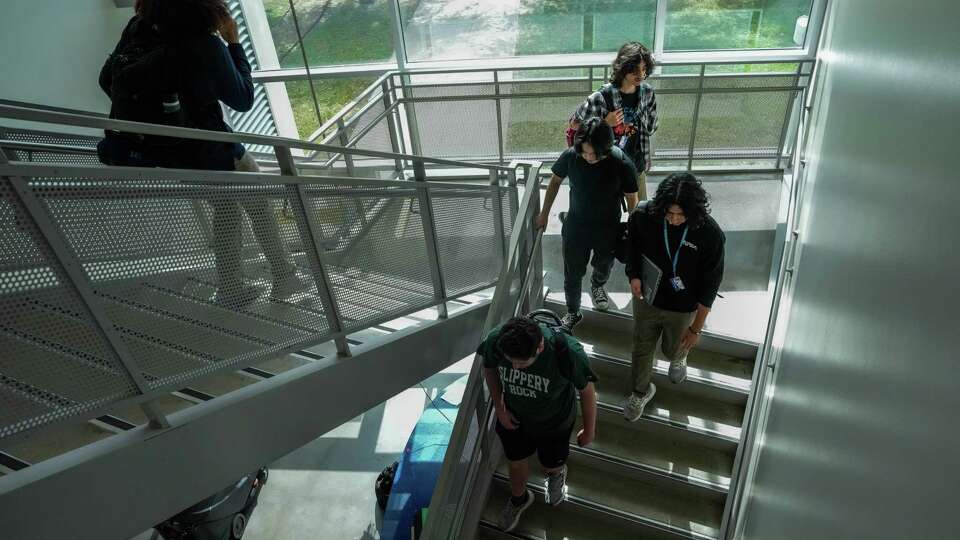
(668, 455)
(606, 489)
(44, 444)
(669, 405)
(704, 364)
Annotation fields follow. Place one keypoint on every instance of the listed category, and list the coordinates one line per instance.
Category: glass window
(451, 30)
(334, 32)
(736, 24)
(332, 95)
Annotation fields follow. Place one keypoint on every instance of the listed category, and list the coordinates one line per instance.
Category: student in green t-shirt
(533, 375)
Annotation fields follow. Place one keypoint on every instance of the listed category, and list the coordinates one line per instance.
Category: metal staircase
(120, 369)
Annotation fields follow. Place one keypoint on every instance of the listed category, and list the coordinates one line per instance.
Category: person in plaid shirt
(629, 105)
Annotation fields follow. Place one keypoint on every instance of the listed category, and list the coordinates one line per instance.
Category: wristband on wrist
(694, 332)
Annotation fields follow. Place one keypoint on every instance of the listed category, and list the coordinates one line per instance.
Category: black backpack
(140, 78)
(559, 341)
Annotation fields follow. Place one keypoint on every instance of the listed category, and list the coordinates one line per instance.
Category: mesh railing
(471, 454)
(710, 113)
(118, 284)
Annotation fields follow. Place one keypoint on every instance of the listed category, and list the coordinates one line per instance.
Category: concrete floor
(324, 490)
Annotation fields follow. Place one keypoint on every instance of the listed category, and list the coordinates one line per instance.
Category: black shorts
(552, 449)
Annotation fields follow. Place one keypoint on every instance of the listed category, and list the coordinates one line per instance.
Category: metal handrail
(78, 120)
(765, 361)
(447, 491)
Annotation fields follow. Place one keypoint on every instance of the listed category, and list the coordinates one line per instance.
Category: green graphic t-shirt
(541, 396)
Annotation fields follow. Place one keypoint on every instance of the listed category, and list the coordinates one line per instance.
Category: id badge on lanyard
(675, 281)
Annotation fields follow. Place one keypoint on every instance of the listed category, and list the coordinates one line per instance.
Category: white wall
(52, 50)
(862, 440)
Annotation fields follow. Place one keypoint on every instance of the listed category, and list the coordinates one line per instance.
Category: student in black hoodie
(674, 238)
(203, 72)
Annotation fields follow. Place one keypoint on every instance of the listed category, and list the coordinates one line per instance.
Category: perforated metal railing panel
(470, 250)
(379, 265)
(460, 118)
(87, 143)
(167, 263)
(377, 136)
(54, 363)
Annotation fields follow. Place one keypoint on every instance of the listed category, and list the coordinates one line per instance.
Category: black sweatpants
(579, 241)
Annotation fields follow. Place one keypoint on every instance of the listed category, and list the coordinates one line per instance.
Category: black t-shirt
(699, 266)
(596, 189)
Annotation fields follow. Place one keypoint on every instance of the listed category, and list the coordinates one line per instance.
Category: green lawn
(350, 31)
(337, 32)
(332, 95)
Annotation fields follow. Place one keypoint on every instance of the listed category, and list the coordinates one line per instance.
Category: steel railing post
(696, 117)
(395, 135)
(430, 235)
(496, 92)
(344, 137)
(788, 116)
(310, 233)
(497, 205)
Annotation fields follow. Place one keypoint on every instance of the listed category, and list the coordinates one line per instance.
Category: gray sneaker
(600, 300)
(571, 319)
(511, 512)
(556, 485)
(287, 285)
(633, 407)
(678, 370)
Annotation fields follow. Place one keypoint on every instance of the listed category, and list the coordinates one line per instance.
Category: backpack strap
(564, 362)
(611, 97)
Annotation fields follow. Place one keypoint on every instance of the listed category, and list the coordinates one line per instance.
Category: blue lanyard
(666, 242)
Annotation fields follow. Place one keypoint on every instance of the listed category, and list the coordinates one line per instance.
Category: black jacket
(700, 264)
(204, 72)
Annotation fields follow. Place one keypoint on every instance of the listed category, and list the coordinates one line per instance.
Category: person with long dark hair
(629, 105)
(675, 266)
(601, 175)
(199, 72)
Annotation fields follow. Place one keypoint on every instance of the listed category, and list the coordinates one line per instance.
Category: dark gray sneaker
(571, 319)
(678, 370)
(511, 512)
(600, 300)
(556, 485)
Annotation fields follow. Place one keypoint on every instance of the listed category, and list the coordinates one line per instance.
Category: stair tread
(45, 444)
(669, 404)
(611, 486)
(711, 365)
(655, 448)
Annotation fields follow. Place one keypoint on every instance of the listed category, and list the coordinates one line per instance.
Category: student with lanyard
(675, 265)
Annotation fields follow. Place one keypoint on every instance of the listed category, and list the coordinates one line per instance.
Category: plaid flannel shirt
(596, 106)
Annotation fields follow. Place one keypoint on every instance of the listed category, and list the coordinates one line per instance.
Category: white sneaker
(633, 407)
(678, 370)
(286, 286)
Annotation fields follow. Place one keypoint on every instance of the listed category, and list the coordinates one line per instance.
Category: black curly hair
(519, 338)
(629, 58)
(685, 190)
